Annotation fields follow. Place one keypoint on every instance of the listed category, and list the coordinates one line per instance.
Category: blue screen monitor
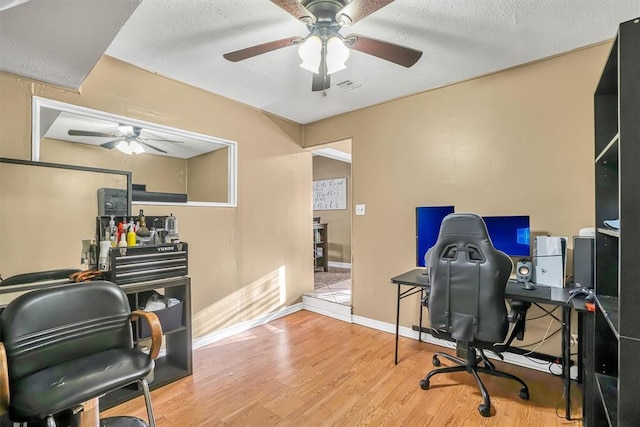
(510, 234)
(428, 220)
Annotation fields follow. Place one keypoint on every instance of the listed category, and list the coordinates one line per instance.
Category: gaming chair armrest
(155, 327)
(4, 381)
(518, 316)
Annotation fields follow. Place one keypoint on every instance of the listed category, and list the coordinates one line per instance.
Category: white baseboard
(337, 264)
(514, 359)
(326, 308)
(244, 326)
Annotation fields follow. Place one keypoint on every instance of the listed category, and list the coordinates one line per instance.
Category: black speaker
(524, 271)
(583, 259)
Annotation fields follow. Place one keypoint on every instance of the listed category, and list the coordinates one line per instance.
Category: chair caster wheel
(435, 361)
(484, 410)
(524, 394)
(424, 384)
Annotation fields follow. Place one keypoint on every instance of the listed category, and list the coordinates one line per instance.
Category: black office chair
(69, 344)
(466, 300)
(38, 276)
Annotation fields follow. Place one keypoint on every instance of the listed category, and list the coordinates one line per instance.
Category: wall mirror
(48, 209)
(168, 166)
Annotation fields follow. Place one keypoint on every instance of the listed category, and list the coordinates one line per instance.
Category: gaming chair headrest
(463, 224)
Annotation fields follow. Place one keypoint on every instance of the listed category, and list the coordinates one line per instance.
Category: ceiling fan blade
(395, 53)
(320, 83)
(296, 9)
(152, 146)
(259, 49)
(111, 144)
(75, 132)
(358, 9)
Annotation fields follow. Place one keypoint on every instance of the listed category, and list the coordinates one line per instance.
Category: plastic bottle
(171, 225)
(113, 232)
(122, 243)
(142, 229)
(121, 226)
(131, 236)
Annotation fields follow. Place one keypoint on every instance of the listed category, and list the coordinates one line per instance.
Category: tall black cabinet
(615, 369)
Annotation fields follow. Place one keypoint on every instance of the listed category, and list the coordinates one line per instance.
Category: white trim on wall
(334, 154)
(337, 264)
(326, 308)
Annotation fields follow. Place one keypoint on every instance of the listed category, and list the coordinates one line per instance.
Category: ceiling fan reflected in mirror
(129, 141)
(324, 50)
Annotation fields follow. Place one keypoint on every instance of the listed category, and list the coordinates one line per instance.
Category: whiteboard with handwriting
(330, 194)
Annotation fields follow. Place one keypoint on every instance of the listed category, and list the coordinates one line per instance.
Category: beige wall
(516, 142)
(208, 177)
(339, 221)
(244, 261)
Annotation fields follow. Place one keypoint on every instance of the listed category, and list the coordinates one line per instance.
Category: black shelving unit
(320, 247)
(176, 362)
(615, 361)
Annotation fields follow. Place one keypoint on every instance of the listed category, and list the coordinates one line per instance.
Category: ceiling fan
(129, 141)
(324, 50)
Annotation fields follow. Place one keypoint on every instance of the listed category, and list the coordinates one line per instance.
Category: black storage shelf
(177, 360)
(608, 388)
(173, 331)
(320, 247)
(611, 146)
(612, 233)
(614, 383)
(609, 309)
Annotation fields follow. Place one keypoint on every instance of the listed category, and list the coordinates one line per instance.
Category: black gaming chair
(466, 301)
(69, 344)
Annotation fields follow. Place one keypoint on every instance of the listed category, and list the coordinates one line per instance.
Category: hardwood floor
(310, 370)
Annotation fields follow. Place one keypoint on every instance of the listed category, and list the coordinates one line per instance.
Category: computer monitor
(428, 220)
(510, 234)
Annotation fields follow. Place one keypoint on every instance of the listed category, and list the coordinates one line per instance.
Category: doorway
(332, 221)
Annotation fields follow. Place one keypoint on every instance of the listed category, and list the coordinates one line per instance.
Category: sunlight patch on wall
(263, 296)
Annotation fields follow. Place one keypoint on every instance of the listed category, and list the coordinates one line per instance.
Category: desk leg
(397, 324)
(566, 359)
(420, 308)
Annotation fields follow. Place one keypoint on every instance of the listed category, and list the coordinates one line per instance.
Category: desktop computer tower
(583, 259)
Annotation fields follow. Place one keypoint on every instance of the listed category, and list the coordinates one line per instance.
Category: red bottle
(121, 226)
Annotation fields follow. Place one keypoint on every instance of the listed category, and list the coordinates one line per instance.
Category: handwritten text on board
(330, 194)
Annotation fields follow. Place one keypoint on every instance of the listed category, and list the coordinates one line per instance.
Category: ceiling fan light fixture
(130, 147)
(125, 129)
(337, 55)
(311, 54)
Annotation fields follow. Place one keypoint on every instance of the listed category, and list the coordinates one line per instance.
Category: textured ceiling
(58, 41)
(185, 40)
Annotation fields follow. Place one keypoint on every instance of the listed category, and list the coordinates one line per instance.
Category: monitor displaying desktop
(510, 234)
(428, 220)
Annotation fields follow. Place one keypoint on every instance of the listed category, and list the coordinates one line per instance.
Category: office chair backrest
(468, 279)
(46, 327)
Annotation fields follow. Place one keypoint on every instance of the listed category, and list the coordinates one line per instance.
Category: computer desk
(417, 282)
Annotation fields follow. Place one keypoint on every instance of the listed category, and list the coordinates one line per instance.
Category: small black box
(170, 319)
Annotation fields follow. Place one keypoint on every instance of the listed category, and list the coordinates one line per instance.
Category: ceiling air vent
(347, 85)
